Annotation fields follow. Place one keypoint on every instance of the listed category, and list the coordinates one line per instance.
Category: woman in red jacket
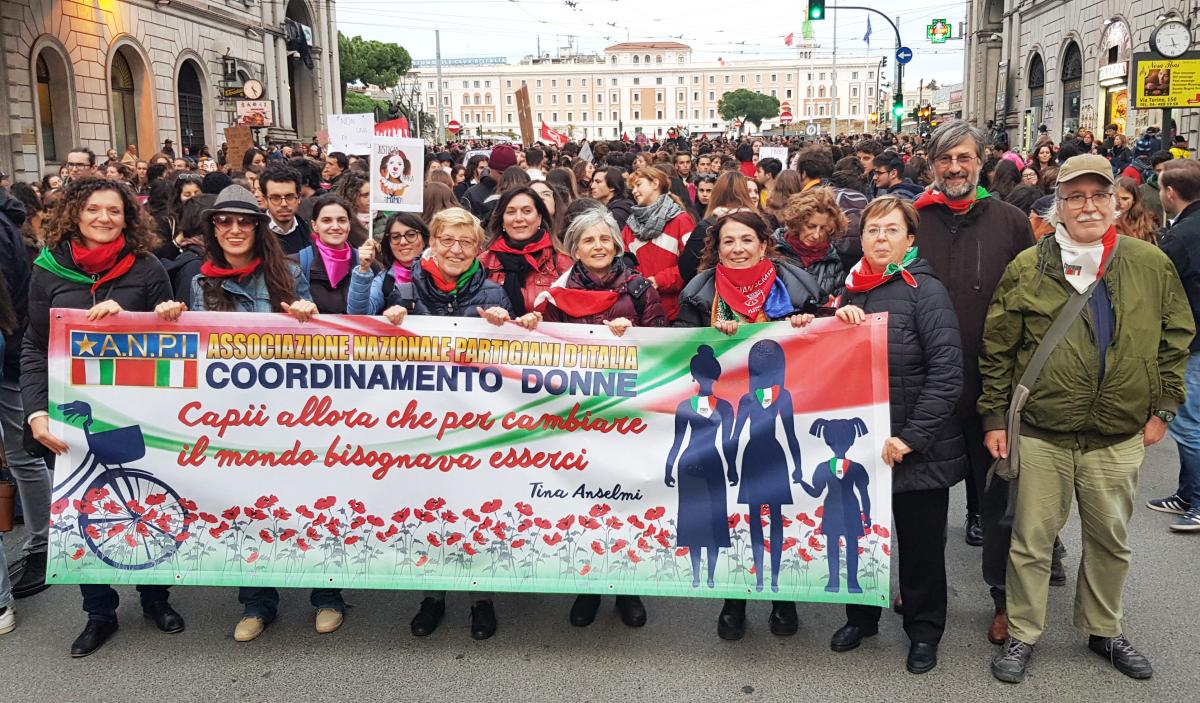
(655, 233)
(520, 255)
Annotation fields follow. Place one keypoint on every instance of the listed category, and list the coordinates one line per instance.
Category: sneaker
(1121, 654)
(328, 620)
(1171, 504)
(1188, 522)
(1012, 662)
(8, 620)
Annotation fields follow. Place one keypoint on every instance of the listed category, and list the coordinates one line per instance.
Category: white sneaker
(8, 620)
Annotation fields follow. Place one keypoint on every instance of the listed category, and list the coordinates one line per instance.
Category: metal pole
(895, 28)
(437, 38)
(834, 114)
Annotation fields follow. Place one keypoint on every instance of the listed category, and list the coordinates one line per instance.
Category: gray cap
(235, 199)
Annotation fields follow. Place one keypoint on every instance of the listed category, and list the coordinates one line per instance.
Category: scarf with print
(958, 207)
(863, 278)
(1084, 263)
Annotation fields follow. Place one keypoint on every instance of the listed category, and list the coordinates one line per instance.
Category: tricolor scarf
(766, 396)
(704, 405)
(439, 279)
(958, 207)
(575, 302)
(210, 269)
(1084, 263)
(838, 467)
(337, 261)
(863, 278)
(746, 290)
(100, 262)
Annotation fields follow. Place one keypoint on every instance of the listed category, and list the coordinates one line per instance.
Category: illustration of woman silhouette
(843, 516)
(703, 521)
(764, 473)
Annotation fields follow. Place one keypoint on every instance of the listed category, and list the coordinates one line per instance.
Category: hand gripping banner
(232, 449)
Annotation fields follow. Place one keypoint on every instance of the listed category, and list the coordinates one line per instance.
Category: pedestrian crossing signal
(874, 117)
(816, 9)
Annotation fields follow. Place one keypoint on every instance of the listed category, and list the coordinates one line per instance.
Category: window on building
(658, 115)
(614, 116)
(854, 91)
(743, 79)
(712, 95)
(774, 77)
(854, 108)
(728, 79)
(507, 84)
(583, 82)
(554, 99)
(758, 78)
(773, 93)
(431, 101)
(124, 106)
(466, 84)
(695, 114)
(553, 82)
(537, 83)
(647, 58)
(445, 101)
(613, 59)
(614, 81)
(712, 114)
(538, 99)
(585, 117)
(429, 85)
(508, 117)
(854, 75)
(821, 110)
(508, 100)
(870, 75)
(696, 96)
(637, 114)
(870, 91)
(636, 59)
(809, 91)
(570, 117)
(658, 97)
(658, 58)
(568, 82)
(808, 110)
(637, 97)
(822, 75)
(680, 81)
(681, 114)
(599, 98)
(712, 79)
(637, 81)
(810, 76)
(821, 91)
(554, 117)
(569, 98)
(788, 93)
(583, 98)
(616, 97)
(658, 80)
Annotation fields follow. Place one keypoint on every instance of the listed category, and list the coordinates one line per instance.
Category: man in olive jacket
(1107, 391)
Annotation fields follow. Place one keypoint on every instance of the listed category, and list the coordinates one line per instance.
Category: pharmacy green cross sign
(938, 31)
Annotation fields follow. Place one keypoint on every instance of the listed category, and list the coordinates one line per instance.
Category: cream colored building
(647, 87)
(108, 73)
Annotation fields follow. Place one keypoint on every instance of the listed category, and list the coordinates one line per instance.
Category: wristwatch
(1165, 415)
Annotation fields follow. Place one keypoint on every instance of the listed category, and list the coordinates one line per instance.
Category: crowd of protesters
(971, 247)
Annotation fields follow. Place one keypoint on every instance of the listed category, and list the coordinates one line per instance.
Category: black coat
(478, 198)
(1181, 242)
(620, 208)
(140, 290)
(925, 377)
(422, 297)
(696, 300)
(14, 267)
(828, 272)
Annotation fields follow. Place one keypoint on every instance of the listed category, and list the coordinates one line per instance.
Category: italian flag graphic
(151, 373)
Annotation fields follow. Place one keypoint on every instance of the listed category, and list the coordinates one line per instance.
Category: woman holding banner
(98, 257)
(740, 283)
(405, 237)
(925, 450)
(521, 256)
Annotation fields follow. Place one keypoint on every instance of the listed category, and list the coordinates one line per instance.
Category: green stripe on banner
(162, 373)
(106, 371)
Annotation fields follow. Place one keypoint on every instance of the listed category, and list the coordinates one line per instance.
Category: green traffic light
(815, 13)
(816, 9)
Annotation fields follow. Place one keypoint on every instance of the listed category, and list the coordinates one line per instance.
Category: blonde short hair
(455, 217)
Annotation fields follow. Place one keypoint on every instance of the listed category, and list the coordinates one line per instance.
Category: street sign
(453, 127)
(904, 54)
(785, 118)
(811, 130)
(938, 31)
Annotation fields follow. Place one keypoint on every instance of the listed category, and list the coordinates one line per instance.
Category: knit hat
(215, 182)
(502, 158)
(235, 199)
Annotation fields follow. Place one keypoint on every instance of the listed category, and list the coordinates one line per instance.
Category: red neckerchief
(863, 277)
(210, 269)
(576, 302)
(103, 260)
(541, 243)
(1109, 240)
(745, 291)
(808, 255)
(958, 207)
(435, 274)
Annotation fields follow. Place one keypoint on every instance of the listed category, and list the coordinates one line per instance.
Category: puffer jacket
(925, 377)
(249, 294)
(828, 272)
(551, 265)
(696, 301)
(1069, 405)
(905, 190)
(14, 269)
(625, 281)
(422, 297)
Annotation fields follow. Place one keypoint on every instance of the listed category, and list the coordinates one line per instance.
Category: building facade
(648, 88)
(1065, 64)
(110, 73)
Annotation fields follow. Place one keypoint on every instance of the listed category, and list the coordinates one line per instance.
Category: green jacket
(1144, 365)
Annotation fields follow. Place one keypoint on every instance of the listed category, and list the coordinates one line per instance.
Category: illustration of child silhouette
(843, 516)
(703, 521)
(764, 473)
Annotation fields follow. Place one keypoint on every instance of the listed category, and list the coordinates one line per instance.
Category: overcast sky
(713, 28)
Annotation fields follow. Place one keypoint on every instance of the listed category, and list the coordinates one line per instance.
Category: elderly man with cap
(1111, 376)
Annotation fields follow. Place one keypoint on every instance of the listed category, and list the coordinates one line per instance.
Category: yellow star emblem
(86, 346)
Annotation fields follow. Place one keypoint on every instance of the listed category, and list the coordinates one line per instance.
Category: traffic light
(816, 9)
(874, 117)
(898, 106)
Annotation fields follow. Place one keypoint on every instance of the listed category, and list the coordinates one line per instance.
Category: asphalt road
(537, 656)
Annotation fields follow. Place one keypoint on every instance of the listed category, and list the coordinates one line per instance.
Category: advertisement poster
(397, 174)
(255, 113)
(1160, 82)
(250, 449)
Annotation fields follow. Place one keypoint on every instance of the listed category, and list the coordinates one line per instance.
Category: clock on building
(1171, 39)
(252, 89)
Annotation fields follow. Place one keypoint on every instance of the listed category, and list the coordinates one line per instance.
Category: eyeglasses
(224, 222)
(962, 160)
(449, 243)
(887, 231)
(1076, 201)
(290, 199)
(880, 172)
(411, 235)
(76, 164)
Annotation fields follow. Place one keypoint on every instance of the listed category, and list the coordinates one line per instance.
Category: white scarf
(1081, 262)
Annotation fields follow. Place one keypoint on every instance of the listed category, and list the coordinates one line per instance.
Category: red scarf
(863, 277)
(103, 260)
(808, 255)
(575, 302)
(745, 291)
(540, 243)
(210, 269)
(958, 207)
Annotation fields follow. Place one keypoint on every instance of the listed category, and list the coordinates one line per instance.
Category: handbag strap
(1058, 329)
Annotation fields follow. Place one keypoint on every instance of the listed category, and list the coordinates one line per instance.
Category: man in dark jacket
(480, 199)
(887, 170)
(969, 238)
(1179, 185)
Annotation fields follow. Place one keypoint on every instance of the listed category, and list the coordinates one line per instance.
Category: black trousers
(919, 519)
(997, 532)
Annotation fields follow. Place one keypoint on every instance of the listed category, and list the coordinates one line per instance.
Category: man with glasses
(81, 163)
(969, 238)
(1107, 391)
(281, 188)
(887, 169)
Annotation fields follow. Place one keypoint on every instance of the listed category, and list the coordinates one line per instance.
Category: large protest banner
(235, 449)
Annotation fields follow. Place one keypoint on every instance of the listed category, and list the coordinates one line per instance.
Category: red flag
(393, 128)
(549, 135)
(625, 136)
(788, 39)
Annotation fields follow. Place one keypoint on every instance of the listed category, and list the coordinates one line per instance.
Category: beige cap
(1083, 165)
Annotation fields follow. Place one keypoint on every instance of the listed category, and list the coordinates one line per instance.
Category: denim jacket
(249, 294)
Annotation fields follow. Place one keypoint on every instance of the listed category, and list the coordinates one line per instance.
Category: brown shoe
(998, 632)
(898, 605)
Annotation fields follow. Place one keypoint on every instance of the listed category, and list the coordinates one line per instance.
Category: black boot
(31, 579)
(631, 610)
(583, 612)
(784, 620)
(427, 619)
(731, 623)
(93, 637)
(483, 620)
(849, 636)
(1058, 573)
(974, 530)
(164, 617)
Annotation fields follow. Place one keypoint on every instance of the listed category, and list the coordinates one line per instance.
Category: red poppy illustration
(381, 536)
(449, 516)
(479, 537)
(435, 504)
(542, 523)
(805, 555)
(156, 498)
(487, 522)
(358, 522)
(190, 518)
(491, 506)
(424, 559)
(305, 511)
(131, 540)
(400, 515)
(881, 531)
(115, 530)
(618, 546)
(112, 507)
(454, 538)
(656, 513)
(650, 530)
(78, 554)
(643, 544)
(87, 508)
(566, 522)
(333, 530)
(142, 529)
(93, 532)
(287, 534)
(637, 522)
(163, 523)
(552, 539)
(664, 538)
(681, 552)
(518, 543)
(525, 525)
(352, 539)
(633, 556)
(252, 558)
(471, 515)
(820, 511)
(597, 547)
(787, 521)
(524, 508)
(887, 550)
(599, 510)
(281, 513)
(217, 531)
(860, 551)
(324, 503)
(265, 535)
(321, 519)
(767, 545)
(586, 568)
(151, 514)
(183, 536)
(256, 514)
(614, 523)
(302, 545)
(499, 532)
(424, 516)
(814, 543)
(186, 504)
(313, 534)
(752, 570)
(375, 520)
(232, 513)
(391, 532)
(734, 520)
(469, 548)
(789, 543)
(357, 506)
(590, 523)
